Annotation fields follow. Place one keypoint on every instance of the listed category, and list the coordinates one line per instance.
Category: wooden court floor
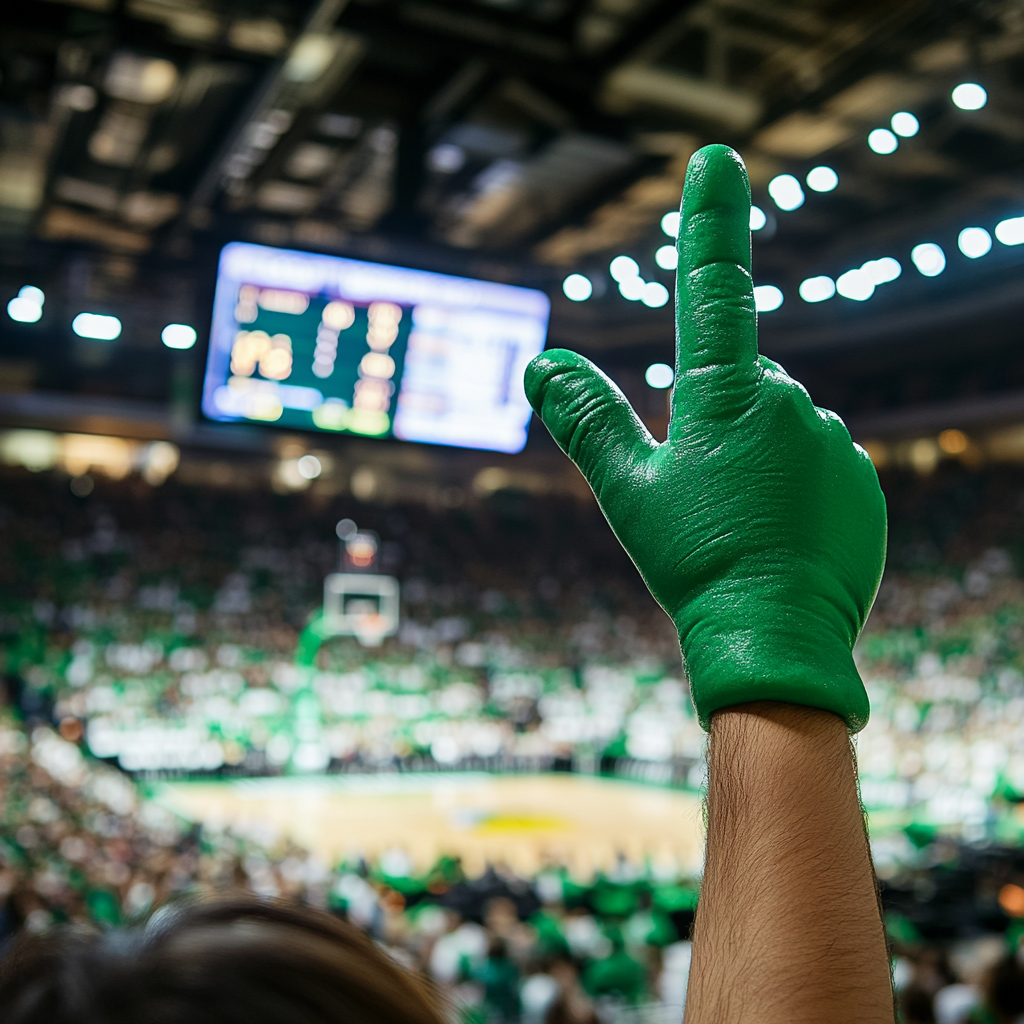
(522, 821)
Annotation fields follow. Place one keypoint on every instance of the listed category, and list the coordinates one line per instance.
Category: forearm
(788, 930)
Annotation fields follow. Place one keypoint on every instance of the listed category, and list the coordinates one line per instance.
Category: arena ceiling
(517, 140)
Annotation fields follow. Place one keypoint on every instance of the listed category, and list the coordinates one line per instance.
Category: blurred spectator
(1004, 992)
(500, 979)
(916, 1006)
(571, 1006)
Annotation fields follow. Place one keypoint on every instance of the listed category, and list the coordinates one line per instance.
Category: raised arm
(760, 528)
(788, 929)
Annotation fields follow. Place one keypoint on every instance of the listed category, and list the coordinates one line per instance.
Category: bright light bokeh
(758, 218)
(882, 271)
(659, 375)
(179, 336)
(666, 257)
(24, 310)
(767, 298)
(622, 268)
(929, 259)
(856, 285)
(822, 179)
(446, 158)
(882, 141)
(1011, 231)
(969, 96)
(786, 192)
(27, 306)
(97, 326)
(817, 289)
(632, 288)
(904, 123)
(309, 467)
(655, 294)
(670, 224)
(577, 288)
(974, 242)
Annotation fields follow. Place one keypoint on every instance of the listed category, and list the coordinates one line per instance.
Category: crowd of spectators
(173, 648)
(162, 627)
(156, 630)
(79, 845)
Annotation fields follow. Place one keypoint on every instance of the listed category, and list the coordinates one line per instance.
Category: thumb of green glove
(758, 525)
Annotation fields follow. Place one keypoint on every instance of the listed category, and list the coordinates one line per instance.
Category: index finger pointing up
(715, 320)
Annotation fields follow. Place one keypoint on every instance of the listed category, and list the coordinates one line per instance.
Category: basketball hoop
(368, 627)
(361, 605)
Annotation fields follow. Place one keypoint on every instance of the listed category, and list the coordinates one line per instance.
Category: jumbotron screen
(315, 342)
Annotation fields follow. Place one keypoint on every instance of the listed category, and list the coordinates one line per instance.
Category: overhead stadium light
(817, 289)
(96, 326)
(904, 123)
(655, 294)
(1011, 231)
(974, 242)
(27, 306)
(969, 96)
(882, 271)
(822, 179)
(758, 218)
(632, 288)
(311, 56)
(856, 285)
(786, 192)
(767, 298)
(929, 259)
(622, 268)
(666, 257)
(577, 287)
(882, 141)
(24, 311)
(179, 336)
(670, 224)
(660, 375)
(139, 79)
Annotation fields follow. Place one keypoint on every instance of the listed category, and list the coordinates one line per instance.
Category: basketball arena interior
(299, 597)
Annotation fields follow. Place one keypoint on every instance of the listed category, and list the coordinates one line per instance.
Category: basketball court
(521, 821)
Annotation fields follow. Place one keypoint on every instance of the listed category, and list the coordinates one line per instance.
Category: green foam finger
(716, 322)
(588, 416)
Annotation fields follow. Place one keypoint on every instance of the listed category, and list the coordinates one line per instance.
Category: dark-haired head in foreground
(237, 962)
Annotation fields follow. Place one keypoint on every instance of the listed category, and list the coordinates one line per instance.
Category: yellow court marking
(524, 821)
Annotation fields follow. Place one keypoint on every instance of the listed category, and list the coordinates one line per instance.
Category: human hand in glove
(758, 525)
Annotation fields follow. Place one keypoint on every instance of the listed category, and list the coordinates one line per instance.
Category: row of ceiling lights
(928, 257)
(966, 96)
(27, 308)
(625, 271)
(787, 193)
(858, 283)
(784, 189)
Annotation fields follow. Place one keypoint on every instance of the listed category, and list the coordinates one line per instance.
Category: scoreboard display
(315, 342)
